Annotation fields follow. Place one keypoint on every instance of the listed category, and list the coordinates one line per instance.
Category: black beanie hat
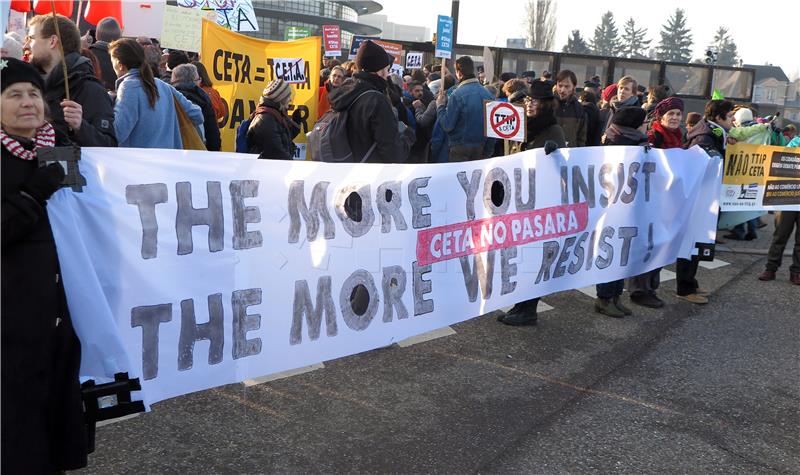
(542, 90)
(372, 58)
(175, 58)
(632, 117)
(13, 70)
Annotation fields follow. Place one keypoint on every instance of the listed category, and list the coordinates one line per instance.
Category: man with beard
(569, 111)
(88, 117)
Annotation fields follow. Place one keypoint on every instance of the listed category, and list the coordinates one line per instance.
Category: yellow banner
(240, 67)
(760, 177)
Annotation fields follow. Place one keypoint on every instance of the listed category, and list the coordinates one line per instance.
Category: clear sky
(766, 33)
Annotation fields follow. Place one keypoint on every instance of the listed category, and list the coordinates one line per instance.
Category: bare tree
(541, 24)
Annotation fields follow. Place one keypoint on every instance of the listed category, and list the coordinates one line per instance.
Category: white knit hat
(743, 115)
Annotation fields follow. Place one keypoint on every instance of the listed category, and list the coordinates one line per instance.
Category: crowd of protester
(128, 92)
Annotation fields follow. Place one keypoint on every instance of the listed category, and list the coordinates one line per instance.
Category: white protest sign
(181, 28)
(291, 70)
(414, 60)
(144, 18)
(236, 15)
(16, 23)
(396, 69)
(194, 269)
(504, 121)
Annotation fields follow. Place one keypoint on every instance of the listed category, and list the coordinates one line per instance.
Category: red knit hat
(609, 92)
(667, 105)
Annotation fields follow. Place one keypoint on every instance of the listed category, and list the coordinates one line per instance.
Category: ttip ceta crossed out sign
(504, 121)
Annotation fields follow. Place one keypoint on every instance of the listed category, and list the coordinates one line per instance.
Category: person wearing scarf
(541, 127)
(43, 429)
(666, 133)
(271, 131)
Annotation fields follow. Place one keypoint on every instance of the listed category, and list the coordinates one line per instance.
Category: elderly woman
(186, 80)
(43, 429)
(271, 131)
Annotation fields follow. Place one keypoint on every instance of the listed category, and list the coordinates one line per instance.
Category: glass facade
(271, 28)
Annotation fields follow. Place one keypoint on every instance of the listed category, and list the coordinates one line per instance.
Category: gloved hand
(297, 116)
(44, 182)
(550, 147)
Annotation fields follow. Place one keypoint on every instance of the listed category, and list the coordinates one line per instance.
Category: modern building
(396, 31)
(275, 16)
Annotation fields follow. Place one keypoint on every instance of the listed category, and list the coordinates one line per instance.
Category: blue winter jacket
(138, 125)
(462, 117)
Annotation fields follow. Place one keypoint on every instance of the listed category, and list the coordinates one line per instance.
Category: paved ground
(685, 389)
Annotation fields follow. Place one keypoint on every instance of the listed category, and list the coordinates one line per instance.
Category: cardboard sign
(504, 121)
(291, 70)
(760, 178)
(444, 37)
(235, 15)
(414, 60)
(297, 33)
(394, 49)
(144, 18)
(357, 40)
(182, 28)
(396, 69)
(332, 40)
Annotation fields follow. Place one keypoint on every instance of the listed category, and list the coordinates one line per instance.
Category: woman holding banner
(43, 428)
(542, 131)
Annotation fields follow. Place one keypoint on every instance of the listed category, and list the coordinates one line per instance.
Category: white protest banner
(414, 60)
(235, 15)
(144, 18)
(502, 120)
(291, 70)
(396, 69)
(195, 269)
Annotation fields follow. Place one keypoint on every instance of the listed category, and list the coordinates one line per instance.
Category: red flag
(96, 10)
(43, 7)
(21, 5)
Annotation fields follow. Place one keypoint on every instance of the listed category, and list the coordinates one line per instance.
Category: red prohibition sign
(514, 115)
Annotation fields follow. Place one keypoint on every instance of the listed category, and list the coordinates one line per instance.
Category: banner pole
(61, 48)
(442, 73)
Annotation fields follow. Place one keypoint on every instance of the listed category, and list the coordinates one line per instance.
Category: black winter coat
(572, 119)
(370, 119)
(100, 50)
(271, 132)
(97, 129)
(594, 129)
(197, 96)
(43, 426)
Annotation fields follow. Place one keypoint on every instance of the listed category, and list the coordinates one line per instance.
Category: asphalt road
(684, 389)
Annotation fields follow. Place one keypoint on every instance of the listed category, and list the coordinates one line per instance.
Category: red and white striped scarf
(45, 137)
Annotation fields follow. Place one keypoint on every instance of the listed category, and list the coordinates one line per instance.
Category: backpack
(327, 141)
(241, 136)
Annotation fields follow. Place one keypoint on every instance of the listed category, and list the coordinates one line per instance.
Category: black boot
(521, 314)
